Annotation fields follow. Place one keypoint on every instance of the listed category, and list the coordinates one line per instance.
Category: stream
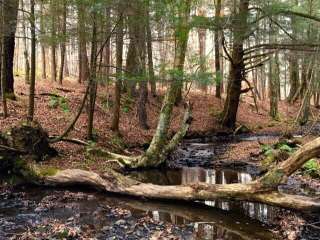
(84, 214)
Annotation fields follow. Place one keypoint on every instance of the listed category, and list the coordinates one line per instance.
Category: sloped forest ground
(54, 114)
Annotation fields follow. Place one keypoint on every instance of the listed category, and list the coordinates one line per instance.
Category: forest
(160, 119)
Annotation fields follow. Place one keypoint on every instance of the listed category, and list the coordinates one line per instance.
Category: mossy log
(262, 190)
(116, 183)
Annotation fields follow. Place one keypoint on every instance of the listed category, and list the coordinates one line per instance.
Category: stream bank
(27, 212)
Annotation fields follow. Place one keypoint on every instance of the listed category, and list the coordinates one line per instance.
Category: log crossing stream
(92, 215)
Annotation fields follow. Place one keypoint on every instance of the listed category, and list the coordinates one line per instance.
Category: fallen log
(114, 182)
(262, 190)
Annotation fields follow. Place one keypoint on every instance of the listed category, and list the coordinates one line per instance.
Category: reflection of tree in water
(258, 211)
(211, 231)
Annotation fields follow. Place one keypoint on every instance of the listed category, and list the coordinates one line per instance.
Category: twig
(12, 149)
(72, 140)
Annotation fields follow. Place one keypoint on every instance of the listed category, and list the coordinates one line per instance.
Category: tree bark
(53, 42)
(152, 79)
(43, 48)
(10, 13)
(25, 45)
(92, 80)
(83, 57)
(63, 43)
(182, 30)
(118, 84)
(217, 47)
(237, 68)
(33, 60)
(153, 156)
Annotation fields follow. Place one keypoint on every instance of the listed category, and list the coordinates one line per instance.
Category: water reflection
(258, 211)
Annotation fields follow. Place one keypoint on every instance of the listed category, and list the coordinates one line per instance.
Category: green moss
(268, 161)
(273, 178)
(312, 168)
(48, 171)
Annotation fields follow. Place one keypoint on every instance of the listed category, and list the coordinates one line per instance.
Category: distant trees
(233, 48)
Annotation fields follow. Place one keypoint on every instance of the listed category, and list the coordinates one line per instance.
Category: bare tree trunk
(152, 157)
(217, 46)
(33, 60)
(237, 68)
(202, 36)
(274, 79)
(10, 12)
(118, 84)
(43, 49)
(53, 43)
(25, 45)
(131, 66)
(108, 54)
(140, 43)
(3, 66)
(152, 79)
(63, 44)
(83, 57)
(92, 80)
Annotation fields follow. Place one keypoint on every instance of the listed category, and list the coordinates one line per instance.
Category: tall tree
(25, 45)
(119, 59)
(53, 12)
(274, 82)
(33, 60)
(237, 68)
(136, 57)
(92, 80)
(63, 41)
(9, 24)
(152, 79)
(217, 49)
(293, 63)
(43, 48)
(83, 57)
(152, 156)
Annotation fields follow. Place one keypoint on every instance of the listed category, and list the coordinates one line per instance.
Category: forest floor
(54, 114)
